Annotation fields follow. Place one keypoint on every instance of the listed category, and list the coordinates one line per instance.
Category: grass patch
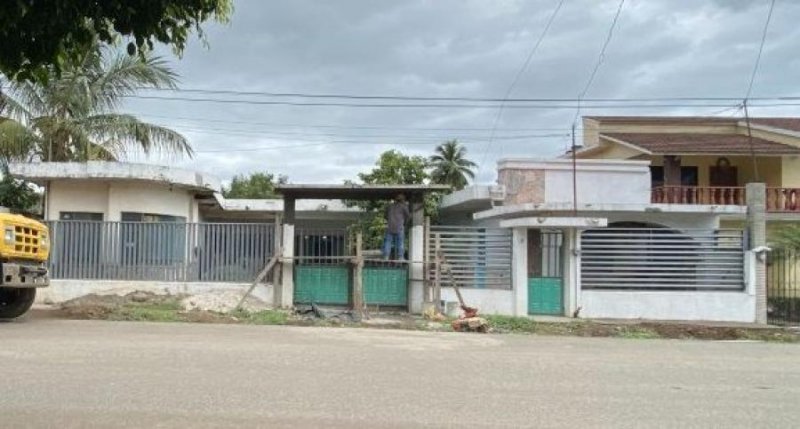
(512, 324)
(636, 332)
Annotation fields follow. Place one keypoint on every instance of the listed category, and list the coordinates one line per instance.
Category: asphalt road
(62, 374)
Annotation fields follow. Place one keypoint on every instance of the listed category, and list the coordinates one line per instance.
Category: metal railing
(322, 246)
(662, 259)
(783, 286)
(716, 195)
(162, 251)
(479, 257)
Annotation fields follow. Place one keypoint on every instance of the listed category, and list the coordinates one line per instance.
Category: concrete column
(416, 255)
(757, 237)
(672, 170)
(284, 293)
(519, 270)
(571, 266)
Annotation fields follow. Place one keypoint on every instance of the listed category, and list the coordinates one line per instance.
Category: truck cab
(24, 249)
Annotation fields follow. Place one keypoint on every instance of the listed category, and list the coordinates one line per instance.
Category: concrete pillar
(284, 293)
(757, 237)
(416, 256)
(519, 270)
(571, 268)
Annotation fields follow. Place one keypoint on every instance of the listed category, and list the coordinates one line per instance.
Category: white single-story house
(572, 238)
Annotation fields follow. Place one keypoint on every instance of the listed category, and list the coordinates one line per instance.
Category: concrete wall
(598, 181)
(77, 196)
(664, 305)
(111, 198)
(488, 301)
(64, 290)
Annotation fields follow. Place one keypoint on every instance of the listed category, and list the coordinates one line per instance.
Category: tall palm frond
(74, 116)
(450, 165)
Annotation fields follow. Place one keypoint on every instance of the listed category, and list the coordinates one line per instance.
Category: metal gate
(479, 257)
(662, 259)
(545, 272)
(783, 287)
(324, 272)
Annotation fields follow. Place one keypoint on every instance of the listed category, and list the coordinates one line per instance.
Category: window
(656, 176)
(89, 216)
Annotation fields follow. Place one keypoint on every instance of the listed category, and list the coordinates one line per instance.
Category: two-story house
(706, 160)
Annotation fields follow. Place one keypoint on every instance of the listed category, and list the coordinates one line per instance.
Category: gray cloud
(455, 48)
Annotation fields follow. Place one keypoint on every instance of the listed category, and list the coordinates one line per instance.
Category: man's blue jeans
(394, 239)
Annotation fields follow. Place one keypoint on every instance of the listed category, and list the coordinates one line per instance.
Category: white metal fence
(662, 259)
(479, 257)
(163, 251)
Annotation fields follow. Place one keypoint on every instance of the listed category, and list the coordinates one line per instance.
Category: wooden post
(437, 282)
(358, 277)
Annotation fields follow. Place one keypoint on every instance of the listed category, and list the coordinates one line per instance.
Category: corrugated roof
(685, 143)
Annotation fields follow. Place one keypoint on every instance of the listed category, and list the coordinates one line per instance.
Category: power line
(605, 105)
(760, 50)
(513, 84)
(600, 59)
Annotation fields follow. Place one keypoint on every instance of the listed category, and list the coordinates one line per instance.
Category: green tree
(72, 117)
(451, 166)
(392, 168)
(254, 186)
(17, 195)
(40, 37)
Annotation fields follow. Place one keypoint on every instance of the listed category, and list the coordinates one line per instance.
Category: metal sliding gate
(479, 257)
(662, 259)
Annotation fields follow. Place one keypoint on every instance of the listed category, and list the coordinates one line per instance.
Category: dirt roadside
(146, 306)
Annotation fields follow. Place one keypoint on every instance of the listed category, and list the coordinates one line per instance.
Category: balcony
(779, 200)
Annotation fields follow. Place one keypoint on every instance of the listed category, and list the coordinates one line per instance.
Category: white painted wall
(666, 305)
(150, 198)
(111, 198)
(599, 181)
(64, 290)
(77, 196)
(672, 220)
(488, 301)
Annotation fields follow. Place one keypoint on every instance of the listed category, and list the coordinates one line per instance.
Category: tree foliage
(72, 116)
(39, 37)
(17, 195)
(254, 186)
(450, 165)
(392, 168)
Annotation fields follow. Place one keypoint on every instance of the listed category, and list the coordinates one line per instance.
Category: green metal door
(545, 272)
(322, 284)
(386, 285)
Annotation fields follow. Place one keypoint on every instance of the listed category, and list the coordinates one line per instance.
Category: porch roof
(699, 144)
(354, 191)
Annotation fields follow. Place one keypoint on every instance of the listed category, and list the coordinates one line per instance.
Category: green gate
(322, 284)
(386, 285)
(545, 272)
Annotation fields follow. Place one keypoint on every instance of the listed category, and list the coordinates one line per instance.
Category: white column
(284, 293)
(416, 255)
(519, 270)
(571, 268)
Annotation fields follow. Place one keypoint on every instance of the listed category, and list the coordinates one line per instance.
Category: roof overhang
(355, 192)
(555, 222)
(43, 172)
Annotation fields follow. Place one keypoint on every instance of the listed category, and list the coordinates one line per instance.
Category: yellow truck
(24, 249)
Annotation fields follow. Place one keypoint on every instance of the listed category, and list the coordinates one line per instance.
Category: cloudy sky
(454, 48)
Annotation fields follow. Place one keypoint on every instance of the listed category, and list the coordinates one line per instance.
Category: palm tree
(450, 165)
(73, 116)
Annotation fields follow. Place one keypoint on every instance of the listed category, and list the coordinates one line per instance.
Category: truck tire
(14, 302)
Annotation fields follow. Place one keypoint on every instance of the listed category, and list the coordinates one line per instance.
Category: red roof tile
(791, 124)
(682, 143)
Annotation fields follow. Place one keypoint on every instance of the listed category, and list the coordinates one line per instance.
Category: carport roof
(354, 191)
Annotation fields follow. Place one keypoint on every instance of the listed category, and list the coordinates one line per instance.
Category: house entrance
(545, 272)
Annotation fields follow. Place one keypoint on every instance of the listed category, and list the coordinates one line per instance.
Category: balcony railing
(785, 200)
(716, 195)
(779, 200)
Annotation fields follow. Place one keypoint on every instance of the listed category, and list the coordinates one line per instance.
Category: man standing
(397, 215)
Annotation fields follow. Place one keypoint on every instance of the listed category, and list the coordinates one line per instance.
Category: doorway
(545, 272)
